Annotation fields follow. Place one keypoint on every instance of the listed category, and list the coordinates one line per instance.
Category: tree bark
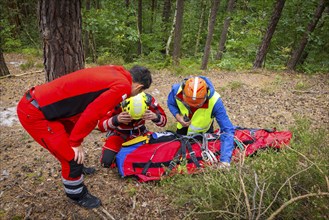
(201, 23)
(153, 10)
(60, 26)
(303, 42)
(211, 26)
(262, 51)
(86, 35)
(165, 23)
(139, 27)
(3, 67)
(178, 32)
(223, 36)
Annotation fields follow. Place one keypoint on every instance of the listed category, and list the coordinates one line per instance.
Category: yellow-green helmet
(136, 106)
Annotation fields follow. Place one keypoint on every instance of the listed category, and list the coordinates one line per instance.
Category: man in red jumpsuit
(61, 113)
(121, 126)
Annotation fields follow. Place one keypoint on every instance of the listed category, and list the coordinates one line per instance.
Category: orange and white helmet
(195, 91)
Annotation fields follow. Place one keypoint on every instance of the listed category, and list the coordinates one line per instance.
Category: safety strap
(175, 160)
(192, 154)
(238, 143)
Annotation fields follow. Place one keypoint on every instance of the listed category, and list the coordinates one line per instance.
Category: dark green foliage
(111, 29)
(19, 25)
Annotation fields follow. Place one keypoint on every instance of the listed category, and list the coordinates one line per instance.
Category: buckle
(30, 99)
(172, 164)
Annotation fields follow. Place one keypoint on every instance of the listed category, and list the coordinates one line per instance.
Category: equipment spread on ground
(163, 154)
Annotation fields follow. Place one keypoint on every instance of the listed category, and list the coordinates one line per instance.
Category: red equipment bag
(166, 153)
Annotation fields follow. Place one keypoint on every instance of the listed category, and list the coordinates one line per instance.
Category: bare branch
(245, 195)
(277, 193)
(306, 158)
(107, 213)
(294, 200)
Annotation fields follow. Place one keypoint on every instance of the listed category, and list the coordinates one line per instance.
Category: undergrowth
(288, 184)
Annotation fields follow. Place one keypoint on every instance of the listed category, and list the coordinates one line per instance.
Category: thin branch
(254, 195)
(189, 214)
(218, 211)
(310, 91)
(107, 213)
(294, 200)
(99, 214)
(277, 193)
(26, 191)
(306, 158)
(21, 74)
(260, 201)
(245, 195)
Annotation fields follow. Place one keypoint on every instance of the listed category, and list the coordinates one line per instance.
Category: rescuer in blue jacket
(195, 103)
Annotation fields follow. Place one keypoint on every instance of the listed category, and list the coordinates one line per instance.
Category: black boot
(108, 157)
(88, 201)
(88, 170)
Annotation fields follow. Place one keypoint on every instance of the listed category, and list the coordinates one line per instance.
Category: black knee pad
(107, 158)
(75, 169)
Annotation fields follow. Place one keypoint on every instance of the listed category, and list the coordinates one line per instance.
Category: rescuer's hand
(180, 119)
(124, 117)
(79, 154)
(149, 115)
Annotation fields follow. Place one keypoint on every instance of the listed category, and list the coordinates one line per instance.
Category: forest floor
(30, 180)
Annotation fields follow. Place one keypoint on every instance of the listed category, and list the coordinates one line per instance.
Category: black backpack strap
(180, 153)
(192, 153)
(147, 165)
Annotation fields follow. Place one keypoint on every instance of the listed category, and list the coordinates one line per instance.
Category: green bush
(261, 184)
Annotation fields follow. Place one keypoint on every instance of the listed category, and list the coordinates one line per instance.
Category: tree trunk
(303, 42)
(153, 8)
(211, 26)
(171, 33)
(178, 32)
(60, 26)
(86, 37)
(262, 51)
(223, 36)
(3, 67)
(201, 22)
(139, 27)
(165, 23)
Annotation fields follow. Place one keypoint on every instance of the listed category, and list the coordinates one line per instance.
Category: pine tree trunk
(60, 25)
(211, 26)
(86, 35)
(201, 22)
(3, 67)
(303, 42)
(223, 36)
(153, 11)
(178, 32)
(139, 27)
(165, 23)
(262, 51)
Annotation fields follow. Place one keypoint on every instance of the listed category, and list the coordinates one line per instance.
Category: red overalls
(59, 114)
